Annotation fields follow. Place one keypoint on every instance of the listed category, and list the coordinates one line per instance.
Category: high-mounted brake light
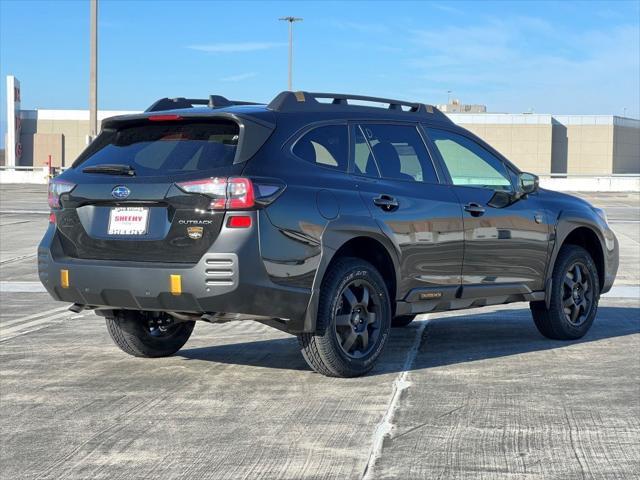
(164, 118)
(57, 188)
(233, 193)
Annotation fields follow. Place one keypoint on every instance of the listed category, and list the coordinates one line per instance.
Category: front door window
(468, 163)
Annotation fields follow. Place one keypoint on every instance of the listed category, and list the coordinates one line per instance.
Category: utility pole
(93, 71)
(290, 20)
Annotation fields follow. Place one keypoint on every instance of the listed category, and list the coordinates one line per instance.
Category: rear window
(165, 148)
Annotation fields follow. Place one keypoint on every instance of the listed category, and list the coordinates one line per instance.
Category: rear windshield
(165, 148)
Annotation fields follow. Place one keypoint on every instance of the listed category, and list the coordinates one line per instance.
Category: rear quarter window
(327, 146)
(165, 148)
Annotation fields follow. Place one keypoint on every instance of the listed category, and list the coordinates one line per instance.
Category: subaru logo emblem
(120, 192)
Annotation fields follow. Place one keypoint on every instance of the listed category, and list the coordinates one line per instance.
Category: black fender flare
(566, 222)
(336, 234)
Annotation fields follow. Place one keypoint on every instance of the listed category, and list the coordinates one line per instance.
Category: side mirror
(528, 183)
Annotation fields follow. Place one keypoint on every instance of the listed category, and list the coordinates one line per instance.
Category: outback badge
(195, 233)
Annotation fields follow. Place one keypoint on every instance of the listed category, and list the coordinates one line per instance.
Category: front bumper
(229, 278)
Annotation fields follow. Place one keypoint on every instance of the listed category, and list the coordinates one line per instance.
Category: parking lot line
(383, 429)
(21, 329)
(21, 287)
(34, 316)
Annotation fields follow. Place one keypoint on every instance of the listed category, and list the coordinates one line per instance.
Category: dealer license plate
(128, 221)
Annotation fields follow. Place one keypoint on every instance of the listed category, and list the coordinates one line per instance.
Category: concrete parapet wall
(625, 183)
(592, 183)
(25, 176)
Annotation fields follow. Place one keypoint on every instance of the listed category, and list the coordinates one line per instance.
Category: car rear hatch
(131, 192)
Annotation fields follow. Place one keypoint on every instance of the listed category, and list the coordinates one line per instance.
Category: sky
(544, 56)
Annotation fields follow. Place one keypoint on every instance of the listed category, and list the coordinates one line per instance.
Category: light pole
(290, 20)
(93, 71)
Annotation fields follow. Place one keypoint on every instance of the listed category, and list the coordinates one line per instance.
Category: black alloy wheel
(357, 319)
(577, 294)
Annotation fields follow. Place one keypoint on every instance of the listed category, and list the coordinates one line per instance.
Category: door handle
(386, 203)
(474, 209)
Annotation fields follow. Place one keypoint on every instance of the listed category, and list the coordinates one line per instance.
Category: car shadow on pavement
(453, 338)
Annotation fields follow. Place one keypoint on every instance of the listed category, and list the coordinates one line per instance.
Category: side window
(468, 163)
(326, 146)
(363, 159)
(400, 152)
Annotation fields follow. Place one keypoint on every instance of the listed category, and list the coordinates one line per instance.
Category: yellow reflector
(299, 96)
(64, 278)
(175, 282)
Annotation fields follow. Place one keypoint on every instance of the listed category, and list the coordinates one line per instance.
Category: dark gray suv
(332, 217)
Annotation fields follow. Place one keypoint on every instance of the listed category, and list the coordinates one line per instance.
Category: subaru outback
(331, 217)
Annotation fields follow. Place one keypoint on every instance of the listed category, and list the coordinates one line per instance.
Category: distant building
(57, 134)
(456, 107)
(541, 144)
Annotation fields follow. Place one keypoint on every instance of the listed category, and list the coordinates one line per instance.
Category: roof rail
(288, 101)
(214, 101)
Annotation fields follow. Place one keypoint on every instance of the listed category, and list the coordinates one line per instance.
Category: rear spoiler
(214, 101)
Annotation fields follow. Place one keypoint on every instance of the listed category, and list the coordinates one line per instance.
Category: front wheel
(354, 318)
(575, 292)
(147, 334)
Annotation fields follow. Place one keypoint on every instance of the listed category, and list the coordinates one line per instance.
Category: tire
(135, 334)
(575, 292)
(352, 326)
(402, 320)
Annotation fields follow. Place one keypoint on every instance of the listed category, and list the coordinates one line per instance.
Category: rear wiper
(111, 169)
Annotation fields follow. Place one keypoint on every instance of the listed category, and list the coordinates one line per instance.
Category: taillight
(233, 193)
(240, 193)
(52, 218)
(57, 188)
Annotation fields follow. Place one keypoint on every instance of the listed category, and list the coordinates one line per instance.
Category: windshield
(166, 148)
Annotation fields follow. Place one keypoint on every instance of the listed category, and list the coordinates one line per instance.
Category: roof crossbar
(304, 101)
(214, 101)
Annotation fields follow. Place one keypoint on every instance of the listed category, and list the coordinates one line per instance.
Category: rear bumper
(229, 278)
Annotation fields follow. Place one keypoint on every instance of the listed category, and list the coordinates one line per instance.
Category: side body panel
(426, 229)
(506, 242)
(507, 245)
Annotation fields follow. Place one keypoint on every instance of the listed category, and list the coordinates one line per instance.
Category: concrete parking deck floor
(471, 394)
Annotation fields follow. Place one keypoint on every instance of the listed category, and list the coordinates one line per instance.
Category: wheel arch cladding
(588, 239)
(374, 252)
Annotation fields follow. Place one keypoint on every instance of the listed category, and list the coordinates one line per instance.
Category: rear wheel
(575, 292)
(354, 318)
(145, 334)
(402, 320)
